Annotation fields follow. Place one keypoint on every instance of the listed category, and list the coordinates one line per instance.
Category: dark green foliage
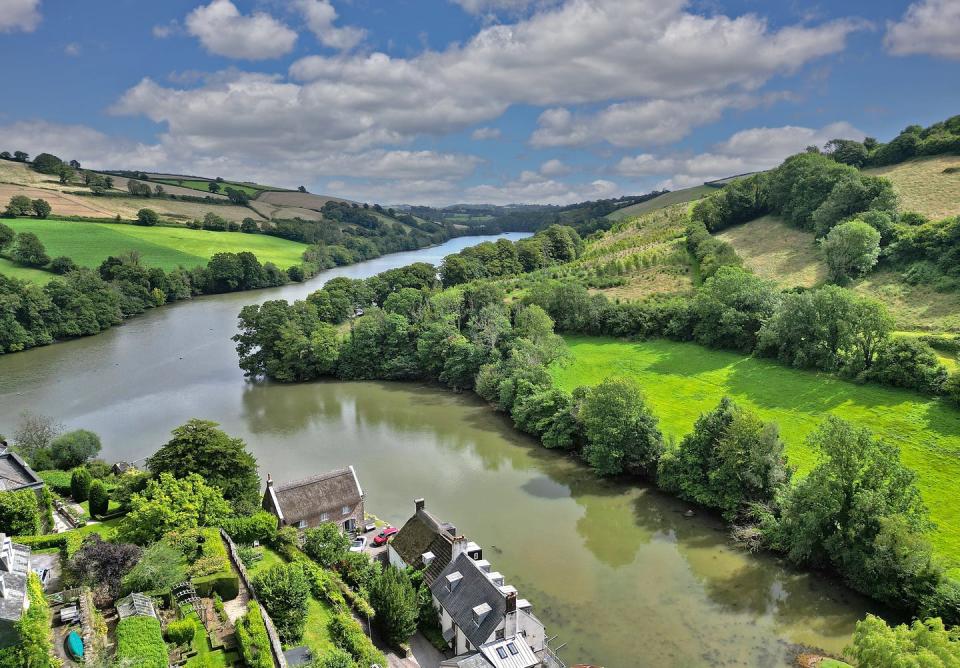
(252, 638)
(395, 600)
(325, 544)
(74, 448)
(847, 151)
(28, 250)
(729, 461)
(101, 564)
(80, 483)
(99, 498)
(283, 591)
(852, 194)
(903, 362)
(348, 635)
(182, 631)
(952, 388)
(731, 307)
(223, 462)
(20, 205)
(711, 253)
(6, 236)
(62, 265)
(147, 217)
(622, 433)
(860, 513)
(261, 526)
(41, 208)
(46, 163)
(20, 513)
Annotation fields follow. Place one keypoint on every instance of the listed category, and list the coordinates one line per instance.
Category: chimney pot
(420, 504)
(269, 480)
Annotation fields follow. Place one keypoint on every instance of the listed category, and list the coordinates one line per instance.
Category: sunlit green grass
(88, 244)
(14, 270)
(204, 186)
(683, 380)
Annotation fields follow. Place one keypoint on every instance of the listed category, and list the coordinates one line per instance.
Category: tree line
(872, 531)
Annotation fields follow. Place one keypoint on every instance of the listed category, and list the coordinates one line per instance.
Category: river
(616, 571)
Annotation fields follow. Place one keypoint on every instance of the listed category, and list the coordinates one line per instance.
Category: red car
(385, 535)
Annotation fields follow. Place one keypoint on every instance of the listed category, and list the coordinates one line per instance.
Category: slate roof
(425, 533)
(16, 474)
(317, 494)
(474, 590)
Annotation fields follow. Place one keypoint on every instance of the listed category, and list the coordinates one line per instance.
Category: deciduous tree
(621, 432)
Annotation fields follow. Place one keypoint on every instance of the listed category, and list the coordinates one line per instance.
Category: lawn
(683, 380)
(14, 270)
(166, 247)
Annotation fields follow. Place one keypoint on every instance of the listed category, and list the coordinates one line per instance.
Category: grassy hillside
(166, 247)
(669, 199)
(776, 251)
(924, 187)
(640, 257)
(203, 185)
(14, 270)
(683, 380)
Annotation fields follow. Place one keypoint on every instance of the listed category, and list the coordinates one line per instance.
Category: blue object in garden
(75, 645)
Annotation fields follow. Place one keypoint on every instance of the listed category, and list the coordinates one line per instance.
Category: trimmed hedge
(68, 542)
(261, 526)
(252, 639)
(58, 481)
(348, 635)
(140, 642)
(226, 584)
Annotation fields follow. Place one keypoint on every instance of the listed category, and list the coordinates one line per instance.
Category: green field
(202, 185)
(683, 380)
(166, 247)
(14, 270)
(665, 200)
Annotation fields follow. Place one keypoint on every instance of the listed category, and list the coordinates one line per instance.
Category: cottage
(14, 571)
(335, 497)
(16, 474)
(477, 610)
(426, 542)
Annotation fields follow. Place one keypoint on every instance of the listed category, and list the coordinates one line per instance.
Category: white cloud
(928, 27)
(319, 16)
(482, 134)
(497, 6)
(652, 122)
(749, 150)
(223, 30)
(554, 167)
(19, 15)
(535, 187)
(167, 29)
(72, 49)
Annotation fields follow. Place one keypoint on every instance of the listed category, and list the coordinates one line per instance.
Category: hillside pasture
(165, 247)
(684, 380)
(924, 187)
(297, 199)
(204, 185)
(120, 183)
(662, 201)
(273, 211)
(14, 270)
(777, 251)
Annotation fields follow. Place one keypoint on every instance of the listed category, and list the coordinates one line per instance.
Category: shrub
(925, 643)
(851, 250)
(147, 217)
(182, 631)
(20, 513)
(908, 363)
(395, 601)
(29, 250)
(159, 568)
(326, 544)
(99, 499)
(140, 643)
(347, 634)
(35, 647)
(952, 388)
(283, 591)
(80, 482)
(225, 585)
(62, 265)
(252, 639)
(261, 526)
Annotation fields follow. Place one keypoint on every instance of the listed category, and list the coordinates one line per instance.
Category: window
(345, 510)
(512, 648)
(324, 517)
(502, 653)
(302, 524)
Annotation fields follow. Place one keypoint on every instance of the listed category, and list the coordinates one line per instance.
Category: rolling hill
(924, 186)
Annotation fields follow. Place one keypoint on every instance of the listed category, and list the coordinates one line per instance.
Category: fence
(276, 647)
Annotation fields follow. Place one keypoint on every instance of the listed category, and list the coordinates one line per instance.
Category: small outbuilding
(136, 605)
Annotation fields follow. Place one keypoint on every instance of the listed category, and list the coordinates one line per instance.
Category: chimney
(427, 558)
(510, 616)
(419, 504)
(458, 548)
(269, 480)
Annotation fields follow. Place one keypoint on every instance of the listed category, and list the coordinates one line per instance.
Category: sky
(467, 101)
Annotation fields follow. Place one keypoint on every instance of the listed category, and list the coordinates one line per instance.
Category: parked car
(358, 544)
(386, 534)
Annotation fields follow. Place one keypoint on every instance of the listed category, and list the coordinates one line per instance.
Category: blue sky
(442, 101)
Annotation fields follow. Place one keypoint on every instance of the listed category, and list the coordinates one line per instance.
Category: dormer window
(345, 510)
(453, 580)
(480, 613)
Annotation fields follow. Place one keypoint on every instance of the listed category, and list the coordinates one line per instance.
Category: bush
(182, 631)
(326, 544)
(20, 513)
(58, 481)
(62, 265)
(910, 363)
(159, 568)
(35, 647)
(851, 250)
(252, 638)
(99, 499)
(283, 591)
(952, 388)
(261, 526)
(80, 482)
(347, 634)
(395, 601)
(147, 217)
(926, 643)
(29, 250)
(140, 643)
(226, 585)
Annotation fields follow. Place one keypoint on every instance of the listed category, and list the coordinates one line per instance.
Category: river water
(616, 571)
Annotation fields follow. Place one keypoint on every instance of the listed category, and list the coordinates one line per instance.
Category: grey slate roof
(425, 533)
(16, 474)
(474, 589)
(318, 494)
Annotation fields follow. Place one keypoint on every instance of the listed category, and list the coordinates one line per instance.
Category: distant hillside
(929, 185)
(662, 201)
